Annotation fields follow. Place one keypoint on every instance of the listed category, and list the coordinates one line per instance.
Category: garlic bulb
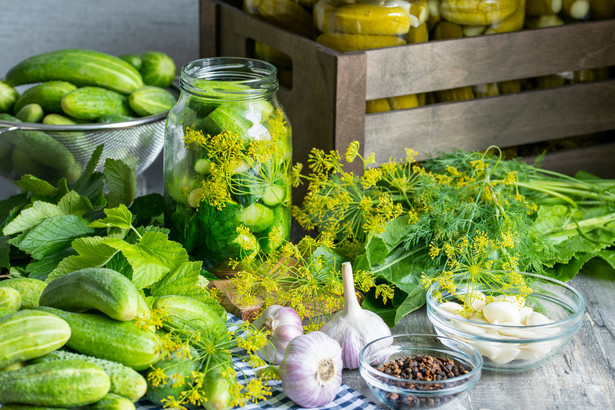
(354, 327)
(284, 325)
(311, 370)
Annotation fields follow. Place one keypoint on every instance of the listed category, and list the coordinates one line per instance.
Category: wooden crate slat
(438, 65)
(507, 120)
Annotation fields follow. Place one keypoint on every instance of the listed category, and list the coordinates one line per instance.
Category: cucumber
(281, 221)
(79, 67)
(58, 119)
(29, 334)
(151, 100)
(10, 300)
(133, 60)
(106, 338)
(48, 95)
(13, 366)
(273, 195)
(186, 313)
(217, 389)
(91, 103)
(157, 69)
(111, 118)
(12, 406)
(63, 383)
(101, 289)
(125, 381)
(8, 96)
(257, 217)
(226, 118)
(23, 164)
(173, 366)
(8, 117)
(30, 113)
(30, 290)
(112, 402)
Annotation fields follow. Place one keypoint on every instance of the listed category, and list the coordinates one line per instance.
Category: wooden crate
(326, 103)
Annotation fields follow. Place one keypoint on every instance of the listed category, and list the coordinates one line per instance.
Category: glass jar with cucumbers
(227, 160)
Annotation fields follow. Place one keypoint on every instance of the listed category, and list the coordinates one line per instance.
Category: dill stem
(585, 223)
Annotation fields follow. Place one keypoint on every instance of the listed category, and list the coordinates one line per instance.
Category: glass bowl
(508, 347)
(402, 393)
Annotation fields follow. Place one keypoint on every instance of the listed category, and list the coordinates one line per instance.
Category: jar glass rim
(229, 78)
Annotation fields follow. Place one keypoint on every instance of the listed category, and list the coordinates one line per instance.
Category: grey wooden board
(582, 377)
(29, 27)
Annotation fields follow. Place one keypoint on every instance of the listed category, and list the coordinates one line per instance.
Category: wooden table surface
(582, 377)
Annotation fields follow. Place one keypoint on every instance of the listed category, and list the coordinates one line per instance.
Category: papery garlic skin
(311, 370)
(284, 324)
(354, 327)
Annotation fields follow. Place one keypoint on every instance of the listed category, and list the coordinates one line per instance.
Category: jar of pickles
(227, 160)
(475, 17)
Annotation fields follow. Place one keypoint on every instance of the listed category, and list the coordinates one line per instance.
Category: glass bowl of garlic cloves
(515, 331)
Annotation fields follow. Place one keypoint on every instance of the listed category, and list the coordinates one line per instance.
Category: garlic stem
(351, 304)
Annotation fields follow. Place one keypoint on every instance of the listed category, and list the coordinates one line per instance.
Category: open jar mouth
(229, 78)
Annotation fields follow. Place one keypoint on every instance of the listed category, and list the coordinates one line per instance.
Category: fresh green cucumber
(273, 195)
(10, 299)
(257, 217)
(29, 334)
(8, 96)
(30, 113)
(79, 67)
(186, 313)
(175, 368)
(125, 381)
(112, 402)
(217, 389)
(157, 69)
(23, 164)
(58, 119)
(226, 118)
(111, 118)
(48, 95)
(281, 222)
(151, 100)
(91, 103)
(133, 60)
(12, 406)
(101, 289)
(30, 290)
(62, 383)
(106, 338)
(14, 366)
(8, 117)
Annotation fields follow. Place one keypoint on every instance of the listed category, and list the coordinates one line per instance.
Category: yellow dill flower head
(434, 250)
(510, 178)
(194, 137)
(295, 174)
(246, 239)
(196, 398)
(256, 390)
(385, 291)
(453, 171)
(156, 377)
(178, 380)
(352, 151)
(371, 177)
(410, 155)
(370, 159)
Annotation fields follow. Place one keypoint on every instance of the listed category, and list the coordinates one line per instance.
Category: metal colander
(136, 142)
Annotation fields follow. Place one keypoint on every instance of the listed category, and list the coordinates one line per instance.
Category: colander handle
(8, 128)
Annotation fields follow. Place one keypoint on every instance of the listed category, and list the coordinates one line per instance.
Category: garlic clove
(534, 351)
(508, 354)
(537, 319)
(476, 300)
(477, 330)
(451, 307)
(524, 313)
(499, 312)
(519, 301)
(283, 324)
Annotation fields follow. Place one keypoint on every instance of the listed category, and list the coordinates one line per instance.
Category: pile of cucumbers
(76, 341)
(76, 86)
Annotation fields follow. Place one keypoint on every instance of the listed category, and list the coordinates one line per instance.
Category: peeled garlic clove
(499, 312)
(516, 331)
(477, 330)
(488, 349)
(524, 313)
(478, 318)
(476, 300)
(451, 307)
(537, 319)
(507, 354)
(534, 351)
(519, 301)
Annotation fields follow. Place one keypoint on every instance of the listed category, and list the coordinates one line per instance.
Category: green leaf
(147, 209)
(5, 251)
(92, 252)
(413, 301)
(121, 181)
(38, 186)
(31, 217)
(379, 246)
(152, 258)
(74, 204)
(120, 264)
(180, 281)
(589, 242)
(601, 267)
(53, 234)
(119, 217)
(40, 269)
(11, 207)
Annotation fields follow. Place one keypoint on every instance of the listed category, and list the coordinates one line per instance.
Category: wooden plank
(208, 17)
(508, 120)
(444, 64)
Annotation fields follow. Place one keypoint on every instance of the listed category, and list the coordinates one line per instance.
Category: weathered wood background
(582, 377)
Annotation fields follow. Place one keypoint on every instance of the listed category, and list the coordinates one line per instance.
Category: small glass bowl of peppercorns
(419, 370)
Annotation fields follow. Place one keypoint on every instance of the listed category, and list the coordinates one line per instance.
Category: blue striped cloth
(346, 398)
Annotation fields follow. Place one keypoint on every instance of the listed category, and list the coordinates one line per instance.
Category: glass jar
(468, 18)
(227, 160)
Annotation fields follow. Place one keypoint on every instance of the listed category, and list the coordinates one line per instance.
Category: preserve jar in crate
(476, 17)
(227, 160)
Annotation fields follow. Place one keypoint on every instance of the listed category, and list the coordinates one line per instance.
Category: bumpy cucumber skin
(91, 103)
(125, 381)
(79, 67)
(112, 402)
(172, 366)
(102, 289)
(30, 113)
(151, 100)
(157, 69)
(10, 299)
(30, 290)
(63, 383)
(8, 96)
(48, 95)
(182, 312)
(106, 338)
(29, 334)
